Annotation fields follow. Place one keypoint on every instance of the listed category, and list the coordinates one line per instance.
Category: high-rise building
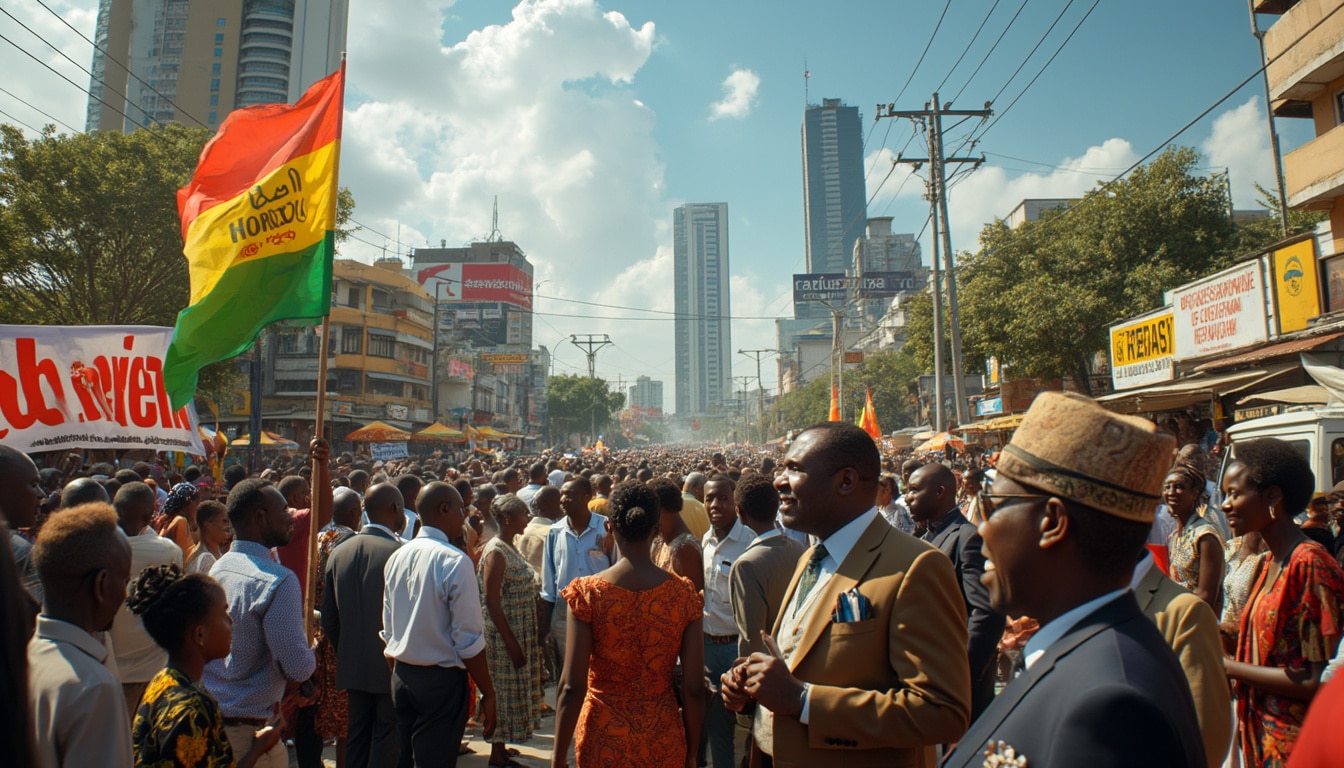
(193, 63)
(881, 250)
(703, 329)
(835, 207)
(647, 395)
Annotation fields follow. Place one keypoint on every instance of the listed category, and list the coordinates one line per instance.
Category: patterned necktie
(810, 575)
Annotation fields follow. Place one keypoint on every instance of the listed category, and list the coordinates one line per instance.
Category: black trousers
(307, 744)
(431, 705)
(371, 739)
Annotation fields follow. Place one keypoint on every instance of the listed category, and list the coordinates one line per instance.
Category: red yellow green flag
(258, 227)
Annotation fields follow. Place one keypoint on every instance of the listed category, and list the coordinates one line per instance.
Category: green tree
(1260, 233)
(1043, 295)
(580, 404)
(345, 212)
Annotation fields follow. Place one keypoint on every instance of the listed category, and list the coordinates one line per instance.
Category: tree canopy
(579, 404)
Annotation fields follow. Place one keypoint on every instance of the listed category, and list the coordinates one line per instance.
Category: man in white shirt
(79, 713)
(724, 542)
(536, 480)
(435, 634)
(138, 657)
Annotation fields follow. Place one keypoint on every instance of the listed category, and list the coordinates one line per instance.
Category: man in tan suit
(1190, 628)
(870, 665)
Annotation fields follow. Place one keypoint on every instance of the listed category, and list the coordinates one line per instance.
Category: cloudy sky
(592, 120)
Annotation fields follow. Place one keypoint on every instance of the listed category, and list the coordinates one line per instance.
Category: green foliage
(345, 211)
(892, 377)
(1043, 295)
(578, 404)
(1254, 235)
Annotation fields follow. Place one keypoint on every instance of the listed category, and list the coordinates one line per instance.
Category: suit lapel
(788, 594)
(1148, 586)
(851, 571)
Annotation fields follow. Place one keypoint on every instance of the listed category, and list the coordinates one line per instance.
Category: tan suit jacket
(886, 689)
(1190, 628)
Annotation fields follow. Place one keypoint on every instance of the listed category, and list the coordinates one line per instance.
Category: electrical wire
(967, 49)
(991, 50)
(1034, 48)
(927, 46)
(44, 113)
(20, 122)
(30, 55)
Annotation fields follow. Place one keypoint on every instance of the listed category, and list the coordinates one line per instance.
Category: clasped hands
(765, 680)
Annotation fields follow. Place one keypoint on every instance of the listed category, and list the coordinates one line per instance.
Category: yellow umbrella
(268, 440)
(378, 432)
(437, 431)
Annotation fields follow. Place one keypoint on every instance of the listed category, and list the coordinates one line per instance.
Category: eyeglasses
(988, 505)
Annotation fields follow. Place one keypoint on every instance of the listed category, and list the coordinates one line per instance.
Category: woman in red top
(1290, 626)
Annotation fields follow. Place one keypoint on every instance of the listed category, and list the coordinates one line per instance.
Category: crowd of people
(1088, 596)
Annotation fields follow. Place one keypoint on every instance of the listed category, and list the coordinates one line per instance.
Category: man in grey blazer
(761, 575)
(354, 600)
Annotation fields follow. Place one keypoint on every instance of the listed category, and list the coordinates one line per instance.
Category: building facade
(835, 207)
(879, 250)
(162, 61)
(703, 328)
(646, 394)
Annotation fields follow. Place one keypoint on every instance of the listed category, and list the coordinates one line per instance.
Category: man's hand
(319, 450)
(488, 716)
(733, 686)
(771, 684)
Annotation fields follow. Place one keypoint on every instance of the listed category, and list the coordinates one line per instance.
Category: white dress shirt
(1048, 634)
(431, 603)
(139, 658)
(719, 556)
(79, 712)
(408, 532)
(570, 554)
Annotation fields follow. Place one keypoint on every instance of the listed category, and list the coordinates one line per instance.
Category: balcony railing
(1308, 42)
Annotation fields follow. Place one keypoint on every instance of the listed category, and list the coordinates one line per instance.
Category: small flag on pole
(835, 405)
(258, 229)
(869, 422)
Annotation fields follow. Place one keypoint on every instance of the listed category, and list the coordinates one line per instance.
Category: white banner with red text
(89, 386)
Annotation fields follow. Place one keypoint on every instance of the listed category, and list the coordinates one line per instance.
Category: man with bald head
(931, 494)
(269, 645)
(352, 615)
(139, 658)
(79, 712)
(434, 634)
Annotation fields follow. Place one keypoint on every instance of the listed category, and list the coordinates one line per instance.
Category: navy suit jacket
(352, 610)
(958, 539)
(1108, 694)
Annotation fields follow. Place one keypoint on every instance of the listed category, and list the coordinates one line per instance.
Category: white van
(1318, 433)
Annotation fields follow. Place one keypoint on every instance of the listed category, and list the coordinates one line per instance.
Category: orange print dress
(630, 714)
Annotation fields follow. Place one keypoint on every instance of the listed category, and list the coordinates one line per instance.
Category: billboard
(89, 386)
(1221, 313)
(836, 286)
(481, 325)
(465, 282)
(1295, 288)
(1143, 350)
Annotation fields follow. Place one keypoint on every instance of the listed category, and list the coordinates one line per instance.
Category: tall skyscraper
(646, 395)
(703, 329)
(195, 61)
(835, 206)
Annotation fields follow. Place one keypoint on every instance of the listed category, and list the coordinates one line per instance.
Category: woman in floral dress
(178, 723)
(1195, 548)
(1290, 626)
(509, 592)
(333, 704)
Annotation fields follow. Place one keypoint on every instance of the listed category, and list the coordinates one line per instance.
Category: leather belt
(720, 639)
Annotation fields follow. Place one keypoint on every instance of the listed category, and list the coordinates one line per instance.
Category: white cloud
(1240, 142)
(739, 95)
(31, 82)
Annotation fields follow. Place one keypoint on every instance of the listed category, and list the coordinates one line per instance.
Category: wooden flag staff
(321, 485)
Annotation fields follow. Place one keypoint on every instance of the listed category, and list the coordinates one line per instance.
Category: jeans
(720, 724)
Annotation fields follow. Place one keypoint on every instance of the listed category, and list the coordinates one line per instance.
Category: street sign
(835, 286)
(507, 359)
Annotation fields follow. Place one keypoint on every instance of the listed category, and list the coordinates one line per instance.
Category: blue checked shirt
(269, 645)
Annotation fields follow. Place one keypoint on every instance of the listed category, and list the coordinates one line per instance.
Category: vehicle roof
(1292, 418)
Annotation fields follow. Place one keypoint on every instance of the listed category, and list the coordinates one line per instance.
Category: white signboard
(89, 386)
(388, 451)
(1220, 313)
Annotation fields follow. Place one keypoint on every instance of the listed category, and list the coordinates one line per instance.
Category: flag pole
(318, 495)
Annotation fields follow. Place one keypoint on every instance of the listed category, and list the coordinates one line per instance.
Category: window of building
(296, 386)
(1339, 108)
(287, 344)
(345, 382)
(353, 297)
(219, 37)
(211, 118)
(214, 99)
(419, 393)
(219, 22)
(384, 387)
(219, 52)
(381, 301)
(215, 68)
(352, 340)
(214, 84)
(381, 345)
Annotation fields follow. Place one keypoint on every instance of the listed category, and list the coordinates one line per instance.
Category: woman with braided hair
(1196, 546)
(179, 512)
(178, 723)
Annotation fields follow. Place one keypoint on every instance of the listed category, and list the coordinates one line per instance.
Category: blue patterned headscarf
(181, 495)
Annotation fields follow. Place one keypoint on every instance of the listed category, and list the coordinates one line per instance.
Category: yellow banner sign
(1295, 285)
(1142, 350)
(507, 359)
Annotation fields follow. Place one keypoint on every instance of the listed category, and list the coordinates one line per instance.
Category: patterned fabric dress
(1241, 573)
(518, 692)
(179, 724)
(333, 704)
(1183, 549)
(1287, 623)
(665, 555)
(630, 716)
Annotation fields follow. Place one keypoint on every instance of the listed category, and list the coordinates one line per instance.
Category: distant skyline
(593, 121)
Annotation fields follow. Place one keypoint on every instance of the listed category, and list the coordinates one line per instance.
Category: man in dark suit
(931, 495)
(762, 573)
(870, 666)
(354, 600)
(1069, 512)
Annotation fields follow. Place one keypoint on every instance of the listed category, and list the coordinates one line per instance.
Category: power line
(44, 113)
(967, 49)
(1035, 48)
(927, 45)
(113, 59)
(20, 122)
(30, 55)
(991, 50)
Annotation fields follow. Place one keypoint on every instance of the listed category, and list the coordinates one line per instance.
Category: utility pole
(1273, 132)
(932, 120)
(742, 406)
(590, 346)
(760, 388)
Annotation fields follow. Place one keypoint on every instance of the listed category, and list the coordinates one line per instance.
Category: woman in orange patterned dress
(628, 625)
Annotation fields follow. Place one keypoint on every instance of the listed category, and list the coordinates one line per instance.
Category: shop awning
(1309, 394)
(1190, 391)
(1266, 353)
